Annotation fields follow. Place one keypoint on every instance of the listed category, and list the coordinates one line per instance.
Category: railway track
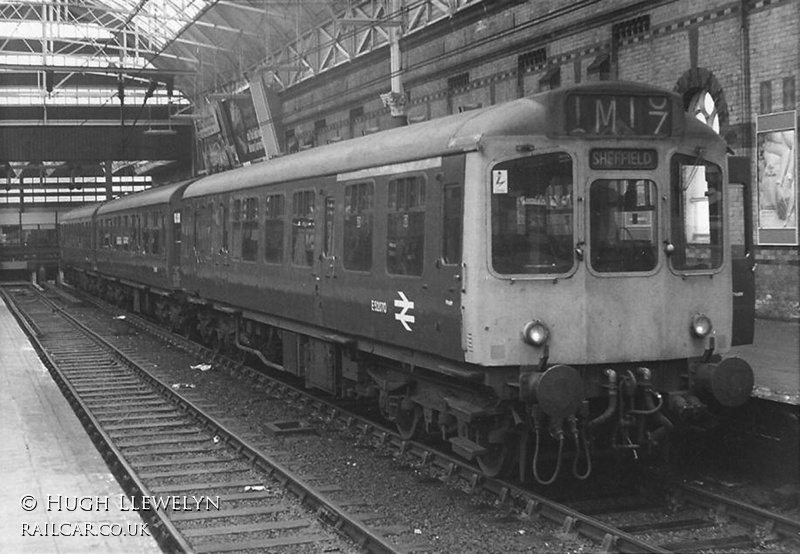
(607, 524)
(201, 487)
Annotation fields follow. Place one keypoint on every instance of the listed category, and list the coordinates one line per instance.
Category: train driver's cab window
(303, 228)
(696, 214)
(358, 208)
(532, 215)
(623, 231)
(405, 236)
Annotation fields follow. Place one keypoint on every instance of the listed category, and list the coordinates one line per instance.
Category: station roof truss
(139, 64)
(193, 47)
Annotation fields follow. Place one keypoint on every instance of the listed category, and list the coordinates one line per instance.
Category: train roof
(438, 137)
(83, 212)
(150, 197)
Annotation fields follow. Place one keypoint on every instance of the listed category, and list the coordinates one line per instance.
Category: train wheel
(237, 355)
(216, 343)
(495, 461)
(407, 422)
(187, 329)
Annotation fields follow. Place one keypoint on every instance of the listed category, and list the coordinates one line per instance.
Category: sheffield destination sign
(623, 158)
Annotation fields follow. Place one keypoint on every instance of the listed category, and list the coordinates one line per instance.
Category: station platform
(775, 358)
(58, 496)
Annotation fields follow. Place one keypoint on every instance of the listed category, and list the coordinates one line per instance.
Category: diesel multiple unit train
(543, 279)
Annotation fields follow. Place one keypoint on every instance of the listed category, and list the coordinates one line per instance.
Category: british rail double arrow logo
(404, 317)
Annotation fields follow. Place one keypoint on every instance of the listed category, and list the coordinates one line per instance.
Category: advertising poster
(777, 179)
(242, 125)
(217, 156)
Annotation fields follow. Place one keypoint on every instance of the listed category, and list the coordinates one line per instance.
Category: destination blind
(619, 115)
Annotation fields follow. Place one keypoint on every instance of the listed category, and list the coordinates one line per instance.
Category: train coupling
(730, 381)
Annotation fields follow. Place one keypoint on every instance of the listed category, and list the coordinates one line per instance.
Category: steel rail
(771, 522)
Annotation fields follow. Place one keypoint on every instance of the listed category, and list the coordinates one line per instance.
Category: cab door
(742, 262)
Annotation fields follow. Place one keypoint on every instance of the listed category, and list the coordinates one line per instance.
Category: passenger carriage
(556, 267)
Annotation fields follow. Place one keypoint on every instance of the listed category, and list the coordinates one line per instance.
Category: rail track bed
(266, 449)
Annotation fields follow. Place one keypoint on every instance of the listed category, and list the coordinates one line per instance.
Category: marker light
(701, 325)
(535, 332)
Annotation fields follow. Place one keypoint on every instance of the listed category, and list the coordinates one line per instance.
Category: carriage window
(358, 204)
(117, 233)
(223, 214)
(126, 232)
(137, 231)
(532, 215)
(155, 233)
(273, 229)
(202, 232)
(186, 244)
(236, 217)
(176, 227)
(303, 228)
(162, 228)
(696, 214)
(623, 230)
(451, 233)
(146, 233)
(250, 229)
(405, 236)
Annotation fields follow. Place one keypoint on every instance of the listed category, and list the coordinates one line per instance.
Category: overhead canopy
(188, 46)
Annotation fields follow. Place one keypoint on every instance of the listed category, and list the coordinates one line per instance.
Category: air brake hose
(535, 463)
(578, 437)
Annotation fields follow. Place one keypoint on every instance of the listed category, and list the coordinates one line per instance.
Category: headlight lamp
(701, 325)
(535, 333)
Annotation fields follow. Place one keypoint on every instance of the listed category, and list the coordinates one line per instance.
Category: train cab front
(607, 278)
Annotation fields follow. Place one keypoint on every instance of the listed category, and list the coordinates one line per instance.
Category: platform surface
(775, 357)
(46, 458)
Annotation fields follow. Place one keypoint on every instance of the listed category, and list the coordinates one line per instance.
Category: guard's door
(742, 262)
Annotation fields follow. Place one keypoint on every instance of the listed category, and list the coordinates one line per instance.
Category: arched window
(704, 109)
